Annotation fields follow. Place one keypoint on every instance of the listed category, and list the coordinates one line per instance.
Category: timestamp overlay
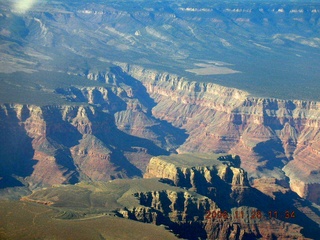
(249, 215)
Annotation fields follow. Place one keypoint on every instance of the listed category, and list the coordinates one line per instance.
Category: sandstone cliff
(100, 133)
(183, 214)
(250, 210)
(275, 138)
(211, 175)
(186, 213)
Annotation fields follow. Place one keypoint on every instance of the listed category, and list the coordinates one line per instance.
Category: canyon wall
(50, 136)
(101, 133)
(183, 211)
(186, 216)
(221, 180)
(143, 113)
(275, 138)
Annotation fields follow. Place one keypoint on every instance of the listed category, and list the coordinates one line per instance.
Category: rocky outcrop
(184, 216)
(186, 212)
(248, 210)
(179, 211)
(214, 176)
(185, 176)
(264, 229)
(88, 138)
(275, 138)
(183, 213)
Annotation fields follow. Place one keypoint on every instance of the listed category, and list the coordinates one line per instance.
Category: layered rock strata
(188, 214)
(183, 213)
(275, 138)
(252, 211)
(89, 137)
(211, 175)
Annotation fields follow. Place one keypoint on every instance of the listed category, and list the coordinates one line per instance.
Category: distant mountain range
(272, 47)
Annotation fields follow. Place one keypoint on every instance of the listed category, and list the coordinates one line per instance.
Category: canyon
(210, 199)
(278, 138)
(163, 113)
(68, 143)
(111, 131)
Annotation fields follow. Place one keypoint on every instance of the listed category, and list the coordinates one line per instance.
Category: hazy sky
(23, 5)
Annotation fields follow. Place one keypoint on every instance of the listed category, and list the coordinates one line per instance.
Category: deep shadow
(9, 181)
(118, 158)
(64, 159)
(16, 151)
(139, 91)
(164, 129)
(59, 130)
(123, 142)
(115, 103)
(291, 202)
(273, 152)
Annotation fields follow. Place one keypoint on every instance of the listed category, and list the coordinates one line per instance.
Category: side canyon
(275, 138)
(157, 114)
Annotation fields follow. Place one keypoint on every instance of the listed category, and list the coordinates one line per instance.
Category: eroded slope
(181, 208)
(274, 137)
(98, 131)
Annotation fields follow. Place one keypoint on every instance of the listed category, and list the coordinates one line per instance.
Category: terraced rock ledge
(212, 199)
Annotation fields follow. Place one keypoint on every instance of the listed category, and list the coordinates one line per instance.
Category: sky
(23, 6)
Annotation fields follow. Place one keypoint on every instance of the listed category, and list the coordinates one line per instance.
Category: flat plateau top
(196, 159)
(23, 220)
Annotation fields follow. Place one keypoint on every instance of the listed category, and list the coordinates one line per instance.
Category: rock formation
(275, 138)
(181, 208)
(252, 211)
(218, 179)
(88, 138)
